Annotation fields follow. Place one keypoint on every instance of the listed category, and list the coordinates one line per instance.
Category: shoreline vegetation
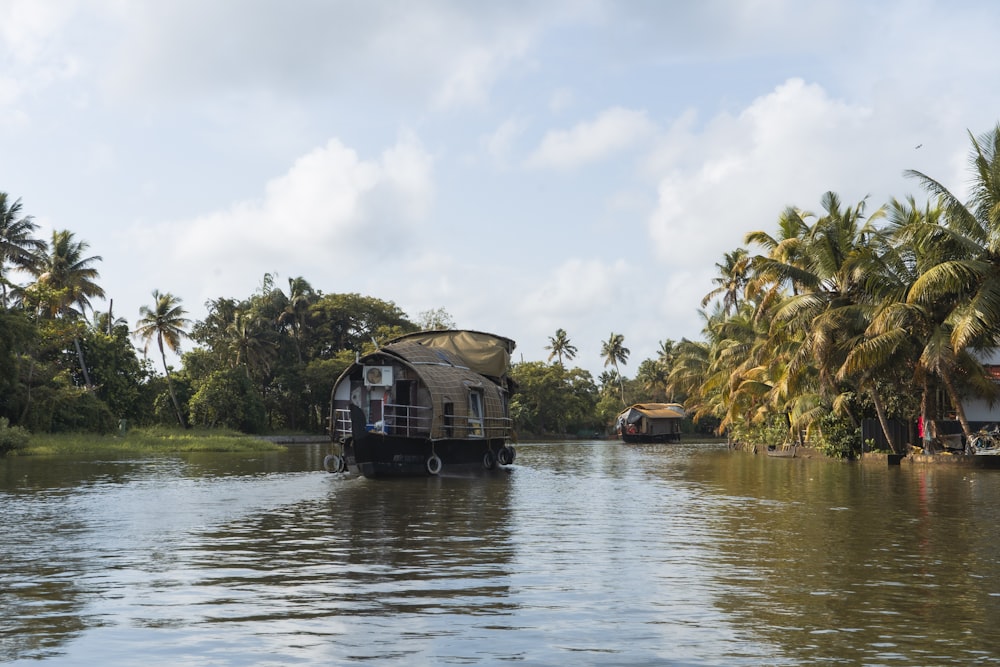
(155, 440)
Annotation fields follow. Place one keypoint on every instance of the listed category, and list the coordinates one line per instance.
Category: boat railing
(490, 427)
(341, 427)
(406, 420)
(413, 420)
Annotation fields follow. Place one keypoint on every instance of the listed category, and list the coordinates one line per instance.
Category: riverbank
(142, 440)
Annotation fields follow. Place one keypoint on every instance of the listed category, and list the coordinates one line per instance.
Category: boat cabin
(651, 422)
(433, 385)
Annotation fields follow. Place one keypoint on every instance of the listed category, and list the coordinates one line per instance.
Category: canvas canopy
(484, 353)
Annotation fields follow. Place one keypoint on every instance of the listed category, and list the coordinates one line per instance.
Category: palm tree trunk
(621, 383)
(925, 399)
(170, 385)
(27, 393)
(956, 401)
(83, 363)
(883, 420)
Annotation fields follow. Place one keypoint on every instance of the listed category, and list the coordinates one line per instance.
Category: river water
(583, 553)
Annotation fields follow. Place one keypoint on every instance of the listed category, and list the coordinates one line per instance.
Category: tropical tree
(435, 319)
(65, 284)
(731, 281)
(560, 346)
(614, 352)
(166, 323)
(251, 344)
(69, 276)
(296, 310)
(652, 376)
(830, 310)
(19, 249)
(973, 274)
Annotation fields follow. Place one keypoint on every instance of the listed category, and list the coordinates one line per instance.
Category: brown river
(582, 553)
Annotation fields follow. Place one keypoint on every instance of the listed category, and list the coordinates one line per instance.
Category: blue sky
(526, 166)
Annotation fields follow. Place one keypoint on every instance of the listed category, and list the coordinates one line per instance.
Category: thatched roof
(653, 411)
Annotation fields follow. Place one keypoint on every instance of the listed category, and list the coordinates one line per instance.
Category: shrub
(12, 438)
(837, 437)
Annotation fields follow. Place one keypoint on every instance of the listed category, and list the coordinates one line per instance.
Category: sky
(525, 166)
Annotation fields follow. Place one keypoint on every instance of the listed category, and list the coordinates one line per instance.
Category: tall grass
(144, 441)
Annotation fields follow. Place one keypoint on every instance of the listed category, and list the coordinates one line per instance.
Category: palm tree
(731, 281)
(972, 275)
(614, 352)
(18, 248)
(835, 281)
(65, 281)
(560, 346)
(251, 343)
(166, 322)
(300, 296)
(67, 275)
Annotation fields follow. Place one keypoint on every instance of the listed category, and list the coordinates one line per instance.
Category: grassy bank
(144, 441)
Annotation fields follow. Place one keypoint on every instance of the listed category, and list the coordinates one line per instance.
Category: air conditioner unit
(378, 376)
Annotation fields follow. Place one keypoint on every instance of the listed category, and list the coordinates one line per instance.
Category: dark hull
(781, 453)
(640, 438)
(380, 455)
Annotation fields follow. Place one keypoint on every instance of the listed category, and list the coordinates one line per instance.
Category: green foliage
(164, 411)
(435, 319)
(228, 399)
(772, 431)
(115, 370)
(59, 407)
(552, 400)
(12, 438)
(837, 437)
(16, 335)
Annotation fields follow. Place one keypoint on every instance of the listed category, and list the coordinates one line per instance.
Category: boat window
(476, 414)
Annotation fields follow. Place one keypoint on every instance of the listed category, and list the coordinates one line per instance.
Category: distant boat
(781, 452)
(651, 422)
(422, 403)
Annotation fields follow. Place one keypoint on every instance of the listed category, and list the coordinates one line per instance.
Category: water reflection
(589, 553)
(866, 565)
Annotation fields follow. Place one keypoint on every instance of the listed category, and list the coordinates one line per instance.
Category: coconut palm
(560, 346)
(166, 323)
(18, 248)
(251, 344)
(614, 352)
(687, 374)
(731, 281)
(973, 233)
(921, 241)
(778, 271)
(834, 303)
(67, 275)
(300, 296)
(65, 283)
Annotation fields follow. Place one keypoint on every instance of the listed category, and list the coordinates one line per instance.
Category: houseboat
(423, 404)
(651, 422)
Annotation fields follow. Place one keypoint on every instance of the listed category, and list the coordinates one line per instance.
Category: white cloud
(736, 174)
(499, 144)
(573, 289)
(28, 26)
(613, 130)
(561, 99)
(330, 213)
